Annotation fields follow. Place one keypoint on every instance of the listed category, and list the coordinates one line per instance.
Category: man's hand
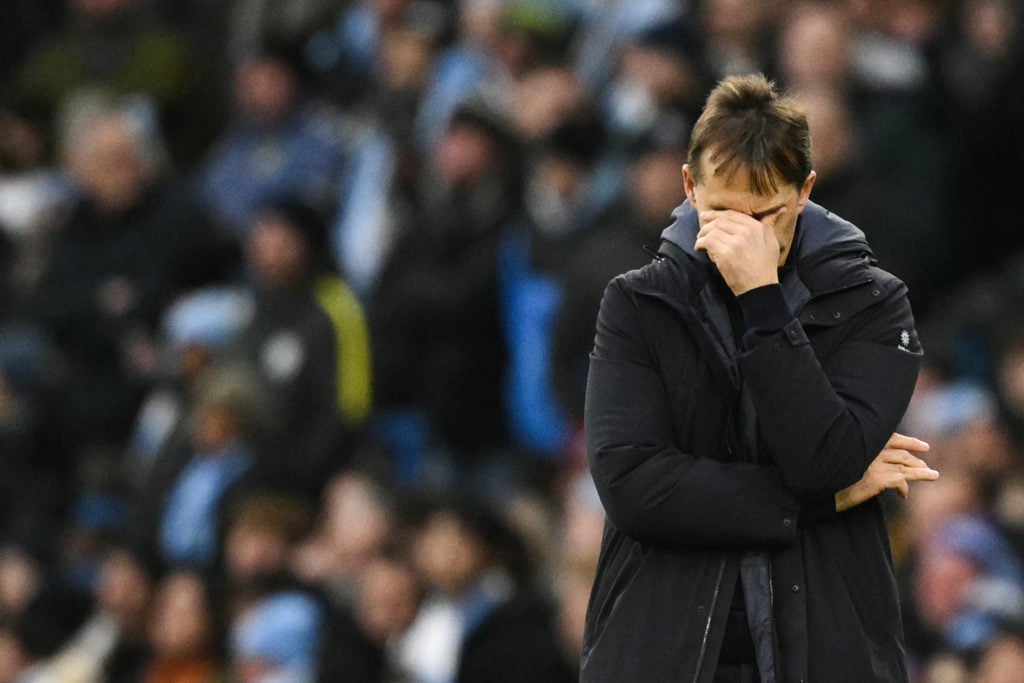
(893, 468)
(745, 249)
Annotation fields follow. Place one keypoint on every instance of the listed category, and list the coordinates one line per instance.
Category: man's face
(265, 90)
(276, 254)
(722, 192)
(107, 161)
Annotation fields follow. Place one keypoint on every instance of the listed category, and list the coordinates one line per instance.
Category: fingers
(727, 221)
(721, 230)
(898, 457)
(713, 241)
(766, 218)
(920, 474)
(713, 215)
(909, 464)
(900, 479)
(902, 482)
(907, 443)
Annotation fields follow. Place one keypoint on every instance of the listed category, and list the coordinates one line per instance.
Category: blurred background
(296, 300)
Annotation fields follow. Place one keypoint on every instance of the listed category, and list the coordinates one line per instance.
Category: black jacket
(707, 457)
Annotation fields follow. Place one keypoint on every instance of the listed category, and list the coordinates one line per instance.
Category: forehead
(733, 190)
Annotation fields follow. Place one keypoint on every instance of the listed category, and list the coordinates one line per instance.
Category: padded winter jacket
(718, 465)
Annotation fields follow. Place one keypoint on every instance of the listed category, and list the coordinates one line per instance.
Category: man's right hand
(893, 468)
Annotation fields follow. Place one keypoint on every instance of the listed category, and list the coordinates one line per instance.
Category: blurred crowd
(296, 301)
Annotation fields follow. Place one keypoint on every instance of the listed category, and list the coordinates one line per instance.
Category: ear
(689, 184)
(805, 191)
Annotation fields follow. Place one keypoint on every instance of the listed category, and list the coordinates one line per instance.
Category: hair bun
(747, 92)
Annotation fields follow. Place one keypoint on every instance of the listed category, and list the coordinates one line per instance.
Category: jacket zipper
(707, 625)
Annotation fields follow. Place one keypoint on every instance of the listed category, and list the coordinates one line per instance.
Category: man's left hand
(744, 249)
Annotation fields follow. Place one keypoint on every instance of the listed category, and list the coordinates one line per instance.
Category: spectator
(32, 190)
(814, 48)
(183, 632)
(389, 598)
(968, 582)
(116, 47)
(277, 638)
(31, 643)
(657, 83)
(545, 98)
(222, 424)
(307, 342)
(978, 92)
(362, 640)
(123, 595)
(278, 142)
(479, 620)
(250, 22)
(566, 199)
(902, 237)
(439, 288)
(355, 524)
(466, 67)
(109, 644)
(22, 577)
(615, 245)
(262, 528)
(197, 330)
(735, 34)
(348, 51)
(109, 271)
(605, 27)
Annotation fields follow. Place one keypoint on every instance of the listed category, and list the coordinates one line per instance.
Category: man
(308, 342)
(740, 388)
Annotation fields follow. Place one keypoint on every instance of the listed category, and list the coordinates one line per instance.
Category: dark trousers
(737, 673)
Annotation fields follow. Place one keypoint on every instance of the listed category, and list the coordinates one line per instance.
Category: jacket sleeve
(824, 422)
(650, 489)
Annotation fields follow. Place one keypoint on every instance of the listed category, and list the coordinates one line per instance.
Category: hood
(820, 235)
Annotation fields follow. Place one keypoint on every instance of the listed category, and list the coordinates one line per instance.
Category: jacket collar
(828, 253)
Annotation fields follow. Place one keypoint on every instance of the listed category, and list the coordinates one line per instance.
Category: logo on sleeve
(904, 341)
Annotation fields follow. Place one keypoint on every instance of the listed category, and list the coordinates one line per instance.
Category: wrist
(851, 496)
(765, 308)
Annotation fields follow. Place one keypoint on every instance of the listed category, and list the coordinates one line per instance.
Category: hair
(286, 515)
(85, 112)
(747, 125)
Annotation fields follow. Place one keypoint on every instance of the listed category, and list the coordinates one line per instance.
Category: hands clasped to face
(746, 233)
(743, 247)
